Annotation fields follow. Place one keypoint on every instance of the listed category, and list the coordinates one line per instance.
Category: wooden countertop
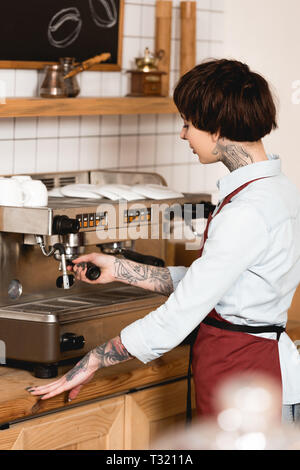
(16, 403)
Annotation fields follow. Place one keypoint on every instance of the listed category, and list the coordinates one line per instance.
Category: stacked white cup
(22, 191)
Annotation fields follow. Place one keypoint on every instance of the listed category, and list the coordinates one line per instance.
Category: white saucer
(80, 190)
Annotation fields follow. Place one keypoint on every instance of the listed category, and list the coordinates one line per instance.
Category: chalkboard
(34, 33)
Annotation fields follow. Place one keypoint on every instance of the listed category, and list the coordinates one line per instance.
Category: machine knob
(63, 225)
(92, 272)
(71, 342)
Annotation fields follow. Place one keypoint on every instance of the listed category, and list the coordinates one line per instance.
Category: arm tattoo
(232, 155)
(80, 366)
(142, 275)
(110, 353)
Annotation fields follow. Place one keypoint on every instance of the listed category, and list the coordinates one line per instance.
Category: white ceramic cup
(11, 193)
(21, 178)
(35, 193)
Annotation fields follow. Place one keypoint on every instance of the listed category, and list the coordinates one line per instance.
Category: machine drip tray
(51, 308)
(44, 331)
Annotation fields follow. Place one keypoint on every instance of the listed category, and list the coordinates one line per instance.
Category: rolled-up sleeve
(237, 239)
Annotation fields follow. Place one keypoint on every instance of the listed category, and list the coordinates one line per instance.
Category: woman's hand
(81, 374)
(104, 262)
(110, 353)
(113, 268)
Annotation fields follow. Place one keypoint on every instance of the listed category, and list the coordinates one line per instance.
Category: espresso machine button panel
(137, 216)
(101, 220)
(92, 220)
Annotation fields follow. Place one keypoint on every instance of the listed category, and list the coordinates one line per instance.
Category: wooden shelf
(33, 107)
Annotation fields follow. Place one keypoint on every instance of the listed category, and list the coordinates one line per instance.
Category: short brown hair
(225, 96)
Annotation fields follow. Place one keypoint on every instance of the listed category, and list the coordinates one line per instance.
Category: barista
(242, 285)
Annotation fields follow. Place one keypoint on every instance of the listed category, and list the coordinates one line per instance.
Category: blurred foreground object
(247, 420)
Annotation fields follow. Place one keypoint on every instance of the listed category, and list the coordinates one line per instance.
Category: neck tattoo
(232, 155)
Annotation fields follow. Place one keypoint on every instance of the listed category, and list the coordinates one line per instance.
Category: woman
(242, 285)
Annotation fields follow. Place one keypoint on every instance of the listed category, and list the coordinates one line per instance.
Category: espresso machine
(46, 317)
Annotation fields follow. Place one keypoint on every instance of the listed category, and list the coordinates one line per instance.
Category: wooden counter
(16, 403)
(129, 406)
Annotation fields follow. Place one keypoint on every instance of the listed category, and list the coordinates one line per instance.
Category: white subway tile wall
(143, 142)
(68, 154)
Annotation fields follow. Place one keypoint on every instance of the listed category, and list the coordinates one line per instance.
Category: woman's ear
(215, 137)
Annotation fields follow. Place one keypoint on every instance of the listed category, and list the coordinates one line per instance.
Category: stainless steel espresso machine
(47, 317)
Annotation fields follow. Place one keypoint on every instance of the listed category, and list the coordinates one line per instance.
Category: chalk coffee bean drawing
(65, 25)
(58, 34)
(104, 12)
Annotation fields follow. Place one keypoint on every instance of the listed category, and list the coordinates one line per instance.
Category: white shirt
(248, 272)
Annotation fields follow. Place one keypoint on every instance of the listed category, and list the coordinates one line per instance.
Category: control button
(79, 218)
(71, 342)
(85, 218)
(91, 220)
(15, 289)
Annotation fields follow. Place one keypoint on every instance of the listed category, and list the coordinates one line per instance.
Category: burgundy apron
(223, 350)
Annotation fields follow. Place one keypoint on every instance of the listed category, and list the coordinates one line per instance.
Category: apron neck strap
(225, 201)
(234, 193)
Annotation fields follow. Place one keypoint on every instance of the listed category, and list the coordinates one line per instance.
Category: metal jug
(53, 85)
(61, 81)
(71, 84)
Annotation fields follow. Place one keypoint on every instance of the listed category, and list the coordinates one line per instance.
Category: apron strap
(224, 325)
(188, 418)
(191, 340)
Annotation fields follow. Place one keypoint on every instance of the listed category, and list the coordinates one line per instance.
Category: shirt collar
(237, 178)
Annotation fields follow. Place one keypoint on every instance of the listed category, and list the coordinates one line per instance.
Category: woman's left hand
(81, 374)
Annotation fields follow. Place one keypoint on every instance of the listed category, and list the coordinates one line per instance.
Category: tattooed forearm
(232, 155)
(80, 366)
(110, 353)
(141, 275)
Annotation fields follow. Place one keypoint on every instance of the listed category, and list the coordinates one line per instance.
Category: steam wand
(66, 280)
